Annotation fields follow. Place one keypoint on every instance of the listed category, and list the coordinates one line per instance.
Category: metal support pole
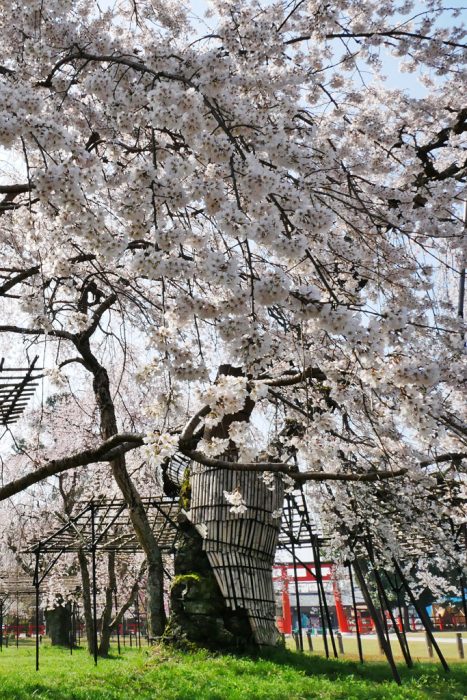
(421, 612)
(17, 620)
(354, 605)
(70, 631)
(94, 584)
(297, 599)
(37, 587)
(78, 625)
(73, 624)
(118, 624)
(379, 627)
(138, 629)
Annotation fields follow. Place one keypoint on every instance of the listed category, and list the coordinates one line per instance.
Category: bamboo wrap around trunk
(240, 547)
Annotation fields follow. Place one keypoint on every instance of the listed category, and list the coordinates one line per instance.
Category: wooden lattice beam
(17, 386)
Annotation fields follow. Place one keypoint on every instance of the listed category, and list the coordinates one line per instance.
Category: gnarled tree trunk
(58, 625)
(87, 602)
(222, 594)
(137, 513)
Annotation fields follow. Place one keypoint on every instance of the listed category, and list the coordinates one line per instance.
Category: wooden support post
(310, 641)
(386, 604)
(323, 623)
(460, 644)
(297, 598)
(340, 642)
(319, 580)
(378, 624)
(355, 612)
(296, 637)
(422, 614)
(429, 645)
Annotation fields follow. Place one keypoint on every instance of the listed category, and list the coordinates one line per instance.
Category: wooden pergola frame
(17, 386)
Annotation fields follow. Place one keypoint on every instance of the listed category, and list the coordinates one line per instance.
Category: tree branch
(37, 331)
(108, 450)
(446, 457)
(283, 468)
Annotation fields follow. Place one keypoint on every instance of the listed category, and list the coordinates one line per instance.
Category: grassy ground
(371, 650)
(161, 674)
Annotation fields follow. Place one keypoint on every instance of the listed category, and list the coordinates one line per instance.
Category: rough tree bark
(106, 619)
(87, 602)
(58, 625)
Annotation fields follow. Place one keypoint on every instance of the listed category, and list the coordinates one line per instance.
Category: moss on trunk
(199, 615)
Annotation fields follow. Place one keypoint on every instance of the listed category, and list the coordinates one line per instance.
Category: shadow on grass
(374, 671)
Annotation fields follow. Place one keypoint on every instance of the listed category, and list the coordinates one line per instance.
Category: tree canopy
(247, 191)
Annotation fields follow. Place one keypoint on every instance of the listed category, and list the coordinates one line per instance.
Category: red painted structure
(28, 630)
(340, 612)
(284, 573)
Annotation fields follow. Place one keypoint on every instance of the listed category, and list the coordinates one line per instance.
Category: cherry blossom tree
(257, 195)
(44, 509)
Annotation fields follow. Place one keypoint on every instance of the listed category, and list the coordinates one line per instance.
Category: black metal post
(70, 630)
(37, 587)
(118, 624)
(421, 612)
(94, 584)
(297, 597)
(138, 629)
(73, 623)
(17, 620)
(379, 627)
(78, 625)
(355, 612)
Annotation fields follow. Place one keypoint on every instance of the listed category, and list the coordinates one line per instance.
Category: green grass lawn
(160, 673)
(371, 650)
